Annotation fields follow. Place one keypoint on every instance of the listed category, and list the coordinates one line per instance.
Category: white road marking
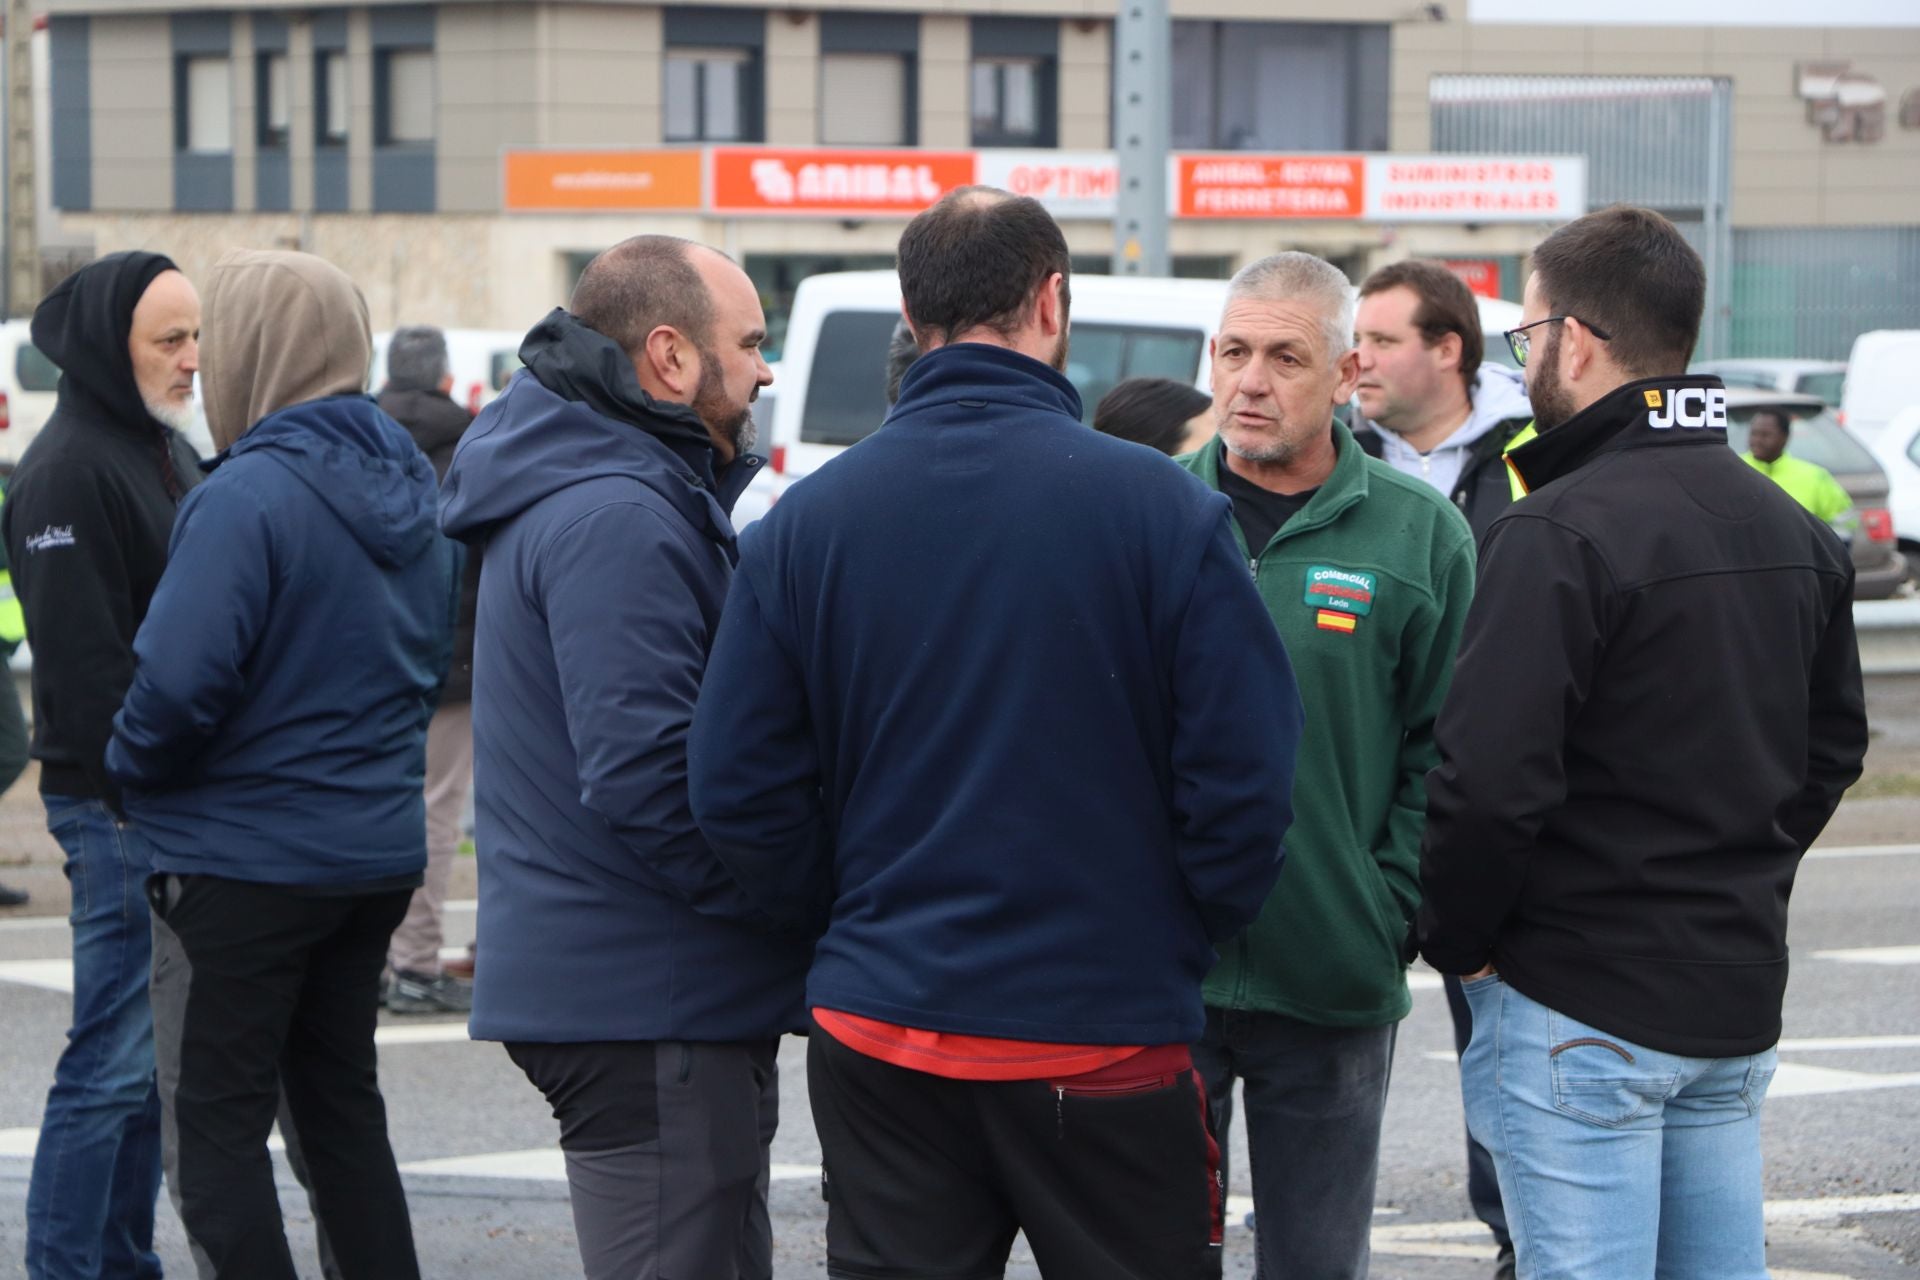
(1872, 955)
(1842, 1044)
(421, 1033)
(48, 975)
(1797, 1080)
(1864, 851)
(20, 1144)
(547, 1164)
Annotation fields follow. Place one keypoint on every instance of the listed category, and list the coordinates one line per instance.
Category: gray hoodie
(1499, 395)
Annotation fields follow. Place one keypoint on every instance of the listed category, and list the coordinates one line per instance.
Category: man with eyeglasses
(1614, 827)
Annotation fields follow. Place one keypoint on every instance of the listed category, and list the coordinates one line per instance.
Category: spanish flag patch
(1334, 620)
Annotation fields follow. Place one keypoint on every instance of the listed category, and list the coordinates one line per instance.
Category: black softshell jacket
(1656, 710)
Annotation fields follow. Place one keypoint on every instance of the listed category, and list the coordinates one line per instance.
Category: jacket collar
(984, 372)
(1651, 411)
(1343, 488)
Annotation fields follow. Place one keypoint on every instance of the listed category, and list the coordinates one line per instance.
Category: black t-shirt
(1260, 512)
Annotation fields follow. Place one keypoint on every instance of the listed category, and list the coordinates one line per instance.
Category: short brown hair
(974, 261)
(1446, 306)
(1628, 271)
(640, 284)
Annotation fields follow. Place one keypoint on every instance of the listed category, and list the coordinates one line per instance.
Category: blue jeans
(96, 1173)
(1616, 1162)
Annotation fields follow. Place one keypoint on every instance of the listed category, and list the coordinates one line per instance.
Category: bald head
(646, 282)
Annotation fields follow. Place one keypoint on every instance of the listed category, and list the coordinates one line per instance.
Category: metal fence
(1658, 141)
(1809, 291)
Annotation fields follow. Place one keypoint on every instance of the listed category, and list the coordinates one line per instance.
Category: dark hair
(640, 284)
(1627, 271)
(974, 261)
(1150, 411)
(1781, 419)
(902, 351)
(1446, 306)
(417, 358)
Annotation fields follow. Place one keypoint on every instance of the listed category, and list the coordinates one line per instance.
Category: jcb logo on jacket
(1687, 407)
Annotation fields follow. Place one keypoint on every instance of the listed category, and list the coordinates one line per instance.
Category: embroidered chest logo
(1339, 597)
(54, 535)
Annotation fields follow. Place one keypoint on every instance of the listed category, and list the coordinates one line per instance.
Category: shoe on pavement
(1503, 1266)
(422, 993)
(12, 897)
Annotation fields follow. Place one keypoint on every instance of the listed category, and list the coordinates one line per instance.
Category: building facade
(339, 130)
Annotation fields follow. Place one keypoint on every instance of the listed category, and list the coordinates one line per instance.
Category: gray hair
(417, 358)
(1300, 277)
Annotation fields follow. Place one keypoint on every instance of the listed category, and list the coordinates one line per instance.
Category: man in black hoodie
(418, 378)
(86, 522)
(1656, 710)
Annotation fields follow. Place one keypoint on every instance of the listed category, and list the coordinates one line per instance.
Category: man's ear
(1349, 367)
(1448, 349)
(1582, 349)
(669, 364)
(1051, 316)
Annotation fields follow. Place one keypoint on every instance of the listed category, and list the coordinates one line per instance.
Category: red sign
(1480, 275)
(1254, 186)
(834, 183)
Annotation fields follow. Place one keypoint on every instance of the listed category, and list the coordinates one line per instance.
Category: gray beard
(177, 416)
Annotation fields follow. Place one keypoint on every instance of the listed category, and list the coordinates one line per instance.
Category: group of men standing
(974, 760)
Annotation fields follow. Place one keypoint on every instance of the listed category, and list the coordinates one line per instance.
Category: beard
(730, 422)
(1059, 357)
(178, 417)
(1280, 452)
(1547, 394)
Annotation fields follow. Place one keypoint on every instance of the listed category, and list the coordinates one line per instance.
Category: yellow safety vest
(13, 622)
(1520, 437)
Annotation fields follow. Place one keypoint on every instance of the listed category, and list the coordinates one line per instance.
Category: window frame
(384, 97)
(266, 135)
(747, 61)
(324, 61)
(184, 114)
(909, 133)
(1046, 97)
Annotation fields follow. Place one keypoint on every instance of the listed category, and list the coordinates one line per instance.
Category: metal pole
(23, 249)
(1143, 76)
(1717, 333)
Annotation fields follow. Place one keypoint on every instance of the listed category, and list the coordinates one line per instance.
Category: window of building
(271, 104)
(403, 89)
(709, 94)
(1281, 86)
(206, 102)
(1012, 102)
(865, 100)
(331, 100)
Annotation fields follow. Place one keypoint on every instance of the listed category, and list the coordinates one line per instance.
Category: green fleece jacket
(1369, 585)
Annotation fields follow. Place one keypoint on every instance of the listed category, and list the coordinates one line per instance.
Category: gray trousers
(1314, 1098)
(667, 1145)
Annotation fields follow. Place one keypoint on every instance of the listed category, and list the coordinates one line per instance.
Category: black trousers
(257, 989)
(928, 1178)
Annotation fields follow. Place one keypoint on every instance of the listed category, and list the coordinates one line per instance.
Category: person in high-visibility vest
(13, 725)
(1807, 483)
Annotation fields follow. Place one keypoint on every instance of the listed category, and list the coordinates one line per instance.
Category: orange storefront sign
(834, 182)
(621, 180)
(1260, 186)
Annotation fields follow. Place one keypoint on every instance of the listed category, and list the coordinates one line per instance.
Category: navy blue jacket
(608, 551)
(276, 730)
(995, 702)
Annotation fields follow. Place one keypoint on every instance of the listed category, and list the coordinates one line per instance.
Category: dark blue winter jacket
(995, 701)
(276, 730)
(607, 551)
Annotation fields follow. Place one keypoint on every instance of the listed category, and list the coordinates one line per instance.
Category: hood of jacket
(83, 326)
(577, 413)
(1499, 395)
(360, 464)
(281, 328)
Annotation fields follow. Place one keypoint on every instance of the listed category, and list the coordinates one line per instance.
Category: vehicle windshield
(34, 371)
(1815, 438)
(1825, 385)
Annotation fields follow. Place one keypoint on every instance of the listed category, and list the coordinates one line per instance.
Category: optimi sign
(840, 183)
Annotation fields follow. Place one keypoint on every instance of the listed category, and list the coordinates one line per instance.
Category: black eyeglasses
(1518, 341)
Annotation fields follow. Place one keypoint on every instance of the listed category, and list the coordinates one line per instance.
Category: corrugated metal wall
(1810, 291)
(1657, 141)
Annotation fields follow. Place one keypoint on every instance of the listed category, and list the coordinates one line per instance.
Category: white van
(832, 390)
(481, 360)
(28, 381)
(1883, 377)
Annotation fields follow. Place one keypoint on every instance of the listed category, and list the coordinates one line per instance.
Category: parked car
(1883, 377)
(831, 388)
(1878, 567)
(28, 381)
(1898, 449)
(1823, 378)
